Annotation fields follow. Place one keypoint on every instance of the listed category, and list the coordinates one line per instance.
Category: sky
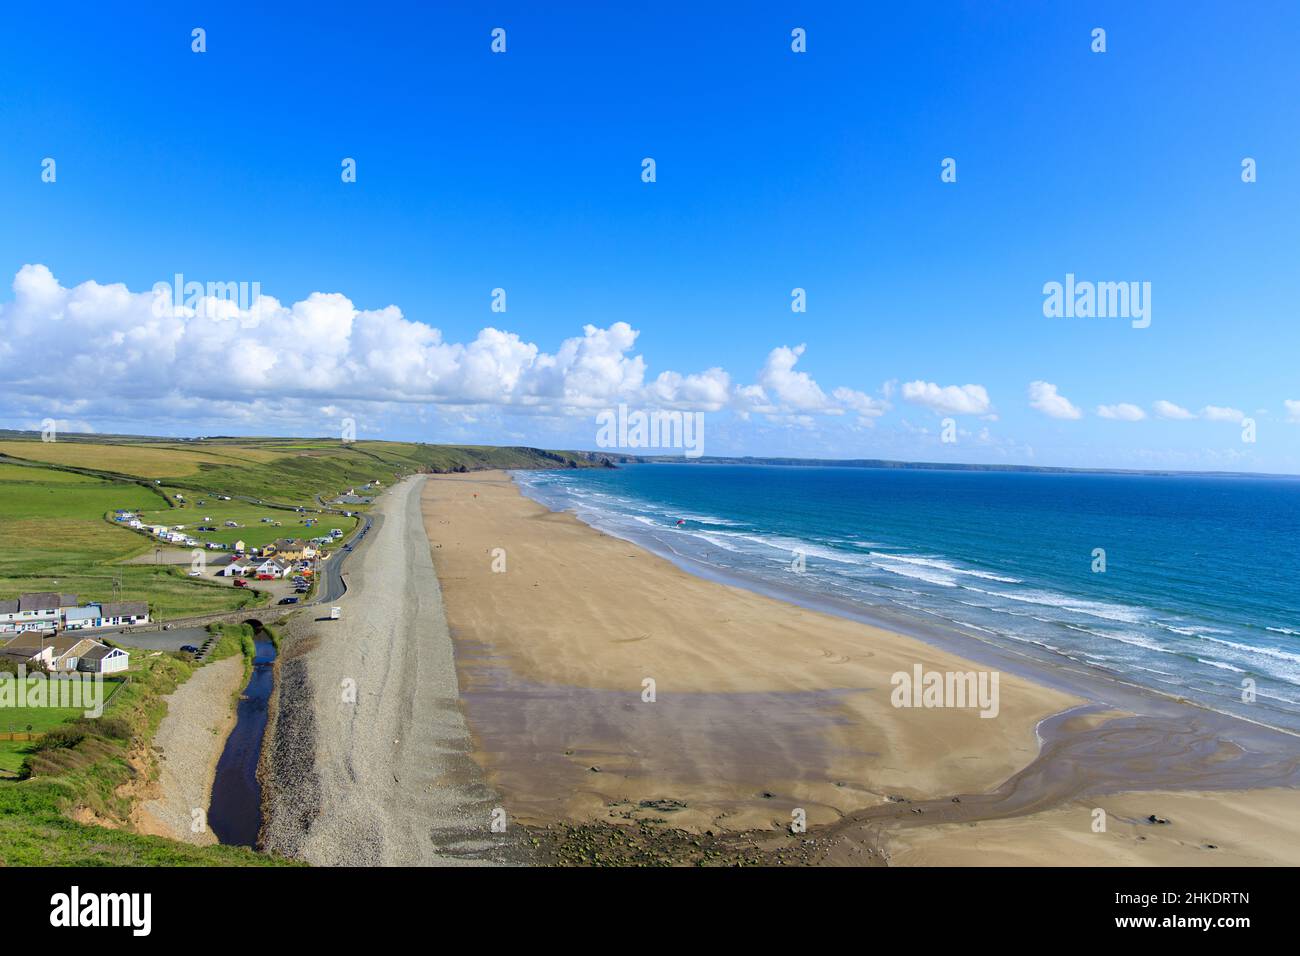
(924, 336)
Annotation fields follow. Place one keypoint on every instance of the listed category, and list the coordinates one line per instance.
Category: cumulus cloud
(789, 389)
(866, 407)
(1044, 397)
(103, 349)
(1219, 413)
(948, 399)
(1123, 412)
(1292, 410)
(1169, 410)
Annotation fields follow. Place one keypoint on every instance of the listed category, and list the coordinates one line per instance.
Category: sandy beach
(762, 709)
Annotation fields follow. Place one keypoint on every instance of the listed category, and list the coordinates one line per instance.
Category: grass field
(253, 531)
(53, 537)
(36, 720)
(141, 461)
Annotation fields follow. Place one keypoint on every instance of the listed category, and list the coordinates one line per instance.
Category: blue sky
(775, 170)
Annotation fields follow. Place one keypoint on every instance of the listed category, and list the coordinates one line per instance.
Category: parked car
(189, 649)
(289, 600)
(240, 583)
(196, 574)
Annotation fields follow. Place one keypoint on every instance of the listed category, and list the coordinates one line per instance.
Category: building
(74, 618)
(291, 549)
(102, 659)
(124, 614)
(271, 568)
(32, 612)
(237, 568)
(53, 651)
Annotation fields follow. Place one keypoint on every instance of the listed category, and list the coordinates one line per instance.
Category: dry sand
(763, 707)
(189, 742)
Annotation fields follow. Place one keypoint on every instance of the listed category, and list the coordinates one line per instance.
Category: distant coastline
(935, 466)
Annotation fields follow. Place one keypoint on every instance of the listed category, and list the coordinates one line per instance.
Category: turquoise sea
(1200, 596)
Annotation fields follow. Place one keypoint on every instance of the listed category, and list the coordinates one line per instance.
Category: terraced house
(47, 612)
(40, 611)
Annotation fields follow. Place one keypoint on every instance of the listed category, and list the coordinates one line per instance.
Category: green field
(56, 532)
(53, 537)
(254, 532)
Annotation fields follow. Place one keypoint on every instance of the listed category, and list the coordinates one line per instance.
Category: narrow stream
(235, 814)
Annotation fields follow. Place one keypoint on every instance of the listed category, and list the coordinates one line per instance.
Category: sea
(1188, 585)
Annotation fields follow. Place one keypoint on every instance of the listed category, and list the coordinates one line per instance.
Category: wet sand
(763, 707)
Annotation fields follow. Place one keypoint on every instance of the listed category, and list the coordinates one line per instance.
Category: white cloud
(1169, 410)
(789, 389)
(949, 399)
(865, 405)
(1218, 413)
(103, 351)
(1123, 412)
(1044, 397)
(1292, 410)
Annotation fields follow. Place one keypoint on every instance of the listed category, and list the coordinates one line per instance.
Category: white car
(196, 574)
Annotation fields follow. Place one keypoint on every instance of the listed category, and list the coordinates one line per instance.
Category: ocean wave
(1257, 649)
(791, 545)
(1221, 665)
(919, 573)
(941, 565)
(1098, 609)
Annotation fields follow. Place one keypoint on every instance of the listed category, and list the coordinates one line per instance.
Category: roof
(40, 601)
(99, 652)
(126, 609)
(87, 613)
(9, 607)
(68, 600)
(32, 643)
(288, 544)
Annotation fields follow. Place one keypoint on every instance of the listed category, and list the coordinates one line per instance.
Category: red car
(240, 583)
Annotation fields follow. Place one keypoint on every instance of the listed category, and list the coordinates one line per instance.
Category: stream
(235, 813)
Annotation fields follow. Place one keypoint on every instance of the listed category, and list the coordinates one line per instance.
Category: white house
(273, 567)
(237, 568)
(102, 659)
(38, 612)
(55, 652)
(126, 613)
